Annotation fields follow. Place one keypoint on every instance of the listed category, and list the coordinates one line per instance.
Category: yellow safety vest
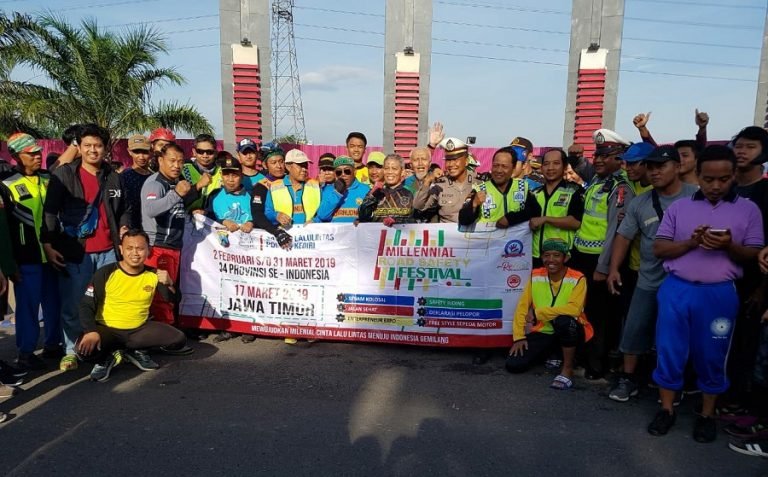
(590, 237)
(190, 173)
(496, 204)
(554, 206)
(28, 198)
(283, 202)
(541, 296)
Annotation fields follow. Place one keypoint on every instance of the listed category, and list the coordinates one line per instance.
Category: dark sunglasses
(346, 172)
(206, 152)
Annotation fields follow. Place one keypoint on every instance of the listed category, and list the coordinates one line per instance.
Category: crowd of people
(649, 264)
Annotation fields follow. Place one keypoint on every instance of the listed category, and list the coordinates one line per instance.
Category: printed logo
(151, 196)
(514, 265)
(513, 281)
(148, 288)
(720, 327)
(113, 193)
(89, 291)
(513, 248)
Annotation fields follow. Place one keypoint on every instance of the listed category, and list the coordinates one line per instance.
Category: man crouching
(115, 312)
(550, 313)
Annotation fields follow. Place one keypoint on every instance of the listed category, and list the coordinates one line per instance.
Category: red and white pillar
(590, 98)
(407, 104)
(246, 98)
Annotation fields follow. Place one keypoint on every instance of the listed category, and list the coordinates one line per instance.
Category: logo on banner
(513, 248)
(417, 257)
(513, 281)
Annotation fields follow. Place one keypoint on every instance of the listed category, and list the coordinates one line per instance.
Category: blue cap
(638, 152)
(247, 144)
(520, 152)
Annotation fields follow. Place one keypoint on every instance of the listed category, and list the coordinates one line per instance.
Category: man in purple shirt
(703, 242)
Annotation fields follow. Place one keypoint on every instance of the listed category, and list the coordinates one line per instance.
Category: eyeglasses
(346, 172)
(205, 152)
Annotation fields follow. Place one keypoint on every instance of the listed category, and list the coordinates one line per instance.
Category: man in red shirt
(84, 215)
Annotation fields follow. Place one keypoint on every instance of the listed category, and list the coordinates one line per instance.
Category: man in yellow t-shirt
(115, 312)
(550, 315)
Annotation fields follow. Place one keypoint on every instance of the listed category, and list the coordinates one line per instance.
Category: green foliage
(86, 75)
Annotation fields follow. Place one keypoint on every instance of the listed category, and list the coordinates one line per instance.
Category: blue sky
(495, 100)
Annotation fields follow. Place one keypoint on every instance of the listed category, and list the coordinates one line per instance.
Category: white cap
(295, 156)
(608, 138)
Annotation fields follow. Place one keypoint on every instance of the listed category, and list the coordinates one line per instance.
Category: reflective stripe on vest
(28, 198)
(541, 295)
(283, 202)
(496, 204)
(192, 175)
(590, 237)
(554, 206)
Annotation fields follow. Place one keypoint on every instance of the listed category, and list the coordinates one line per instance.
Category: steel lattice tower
(287, 109)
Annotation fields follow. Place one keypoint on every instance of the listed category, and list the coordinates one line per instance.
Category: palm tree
(86, 75)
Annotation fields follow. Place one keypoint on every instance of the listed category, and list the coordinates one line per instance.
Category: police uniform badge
(518, 197)
(562, 200)
(23, 192)
(450, 146)
(599, 138)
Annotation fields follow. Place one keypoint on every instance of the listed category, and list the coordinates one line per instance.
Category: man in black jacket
(84, 215)
(115, 312)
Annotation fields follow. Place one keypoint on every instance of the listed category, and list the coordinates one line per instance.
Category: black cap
(231, 164)
(663, 154)
(326, 162)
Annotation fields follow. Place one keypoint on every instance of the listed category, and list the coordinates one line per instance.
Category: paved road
(340, 409)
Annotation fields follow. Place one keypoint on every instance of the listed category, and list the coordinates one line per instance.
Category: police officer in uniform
(604, 201)
(492, 199)
(445, 196)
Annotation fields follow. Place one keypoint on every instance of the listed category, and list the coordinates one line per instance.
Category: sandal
(68, 363)
(561, 383)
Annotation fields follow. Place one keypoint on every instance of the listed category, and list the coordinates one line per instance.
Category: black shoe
(53, 352)
(9, 370)
(705, 429)
(247, 338)
(30, 362)
(183, 351)
(223, 336)
(661, 423)
(591, 374)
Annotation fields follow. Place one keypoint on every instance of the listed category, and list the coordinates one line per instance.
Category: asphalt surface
(339, 409)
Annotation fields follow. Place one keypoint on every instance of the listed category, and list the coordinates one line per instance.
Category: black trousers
(151, 334)
(604, 311)
(568, 334)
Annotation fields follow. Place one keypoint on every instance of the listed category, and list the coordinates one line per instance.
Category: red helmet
(162, 134)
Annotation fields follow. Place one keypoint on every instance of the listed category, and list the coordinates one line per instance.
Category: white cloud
(330, 78)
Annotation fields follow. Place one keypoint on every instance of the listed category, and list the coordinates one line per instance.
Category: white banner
(423, 284)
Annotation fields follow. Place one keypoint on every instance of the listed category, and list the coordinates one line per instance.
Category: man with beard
(444, 197)
(421, 159)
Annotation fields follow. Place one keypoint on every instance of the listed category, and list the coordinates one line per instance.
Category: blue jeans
(38, 287)
(72, 288)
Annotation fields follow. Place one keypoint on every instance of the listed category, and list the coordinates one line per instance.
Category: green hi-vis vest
(554, 206)
(28, 197)
(497, 204)
(590, 237)
(541, 296)
(190, 173)
(283, 202)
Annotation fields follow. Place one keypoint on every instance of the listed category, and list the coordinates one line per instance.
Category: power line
(103, 5)
(504, 27)
(322, 27)
(547, 63)
(345, 12)
(701, 24)
(693, 43)
(191, 30)
(689, 62)
(700, 4)
(193, 46)
(161, 20)
(502, 7)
